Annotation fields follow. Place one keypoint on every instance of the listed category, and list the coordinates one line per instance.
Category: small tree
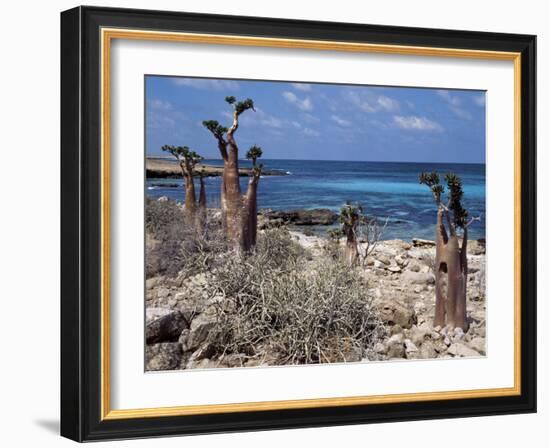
(350, 216)
(450, 256)
(254, 153)
(238, 210)
(195, 212)
(362, 233)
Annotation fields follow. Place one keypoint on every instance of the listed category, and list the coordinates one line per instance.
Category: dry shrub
(176, 247)
(298, 312)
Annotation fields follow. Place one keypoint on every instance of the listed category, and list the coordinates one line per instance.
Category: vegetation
(362, 234)
(450, 256)
(195, 212)
(175, 246)
(238, 210)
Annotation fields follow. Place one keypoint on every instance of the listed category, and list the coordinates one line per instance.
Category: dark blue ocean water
(385, 189)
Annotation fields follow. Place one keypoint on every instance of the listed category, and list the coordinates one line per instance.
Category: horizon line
(332, 160)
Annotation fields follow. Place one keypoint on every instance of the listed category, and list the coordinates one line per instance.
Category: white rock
(410, 346)
(417, 278)
(478, 344)
(460, 350)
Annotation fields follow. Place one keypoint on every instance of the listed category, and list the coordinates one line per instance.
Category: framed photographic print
(275, 224)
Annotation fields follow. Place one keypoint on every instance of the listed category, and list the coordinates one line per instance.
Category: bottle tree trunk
(460, 313)
(450, 260)
(440, 269)
(200, 212)
(231, 196)
(250, 214)
(190, 198)
(451, 256)
(351, 251)
(238, 209)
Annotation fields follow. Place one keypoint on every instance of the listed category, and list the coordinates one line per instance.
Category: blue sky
(320, 121)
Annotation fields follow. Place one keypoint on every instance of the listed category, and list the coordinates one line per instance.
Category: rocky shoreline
(180, 314)
(160, 168)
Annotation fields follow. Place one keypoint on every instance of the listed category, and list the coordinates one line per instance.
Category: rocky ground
(179, 313)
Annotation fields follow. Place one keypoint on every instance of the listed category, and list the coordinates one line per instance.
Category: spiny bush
(176, 247)
(299, 313)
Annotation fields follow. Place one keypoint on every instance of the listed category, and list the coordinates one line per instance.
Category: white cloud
(461, 113)
(311, 118)
(296, 124)
(452, 100)
(311, 132)
(479, 100)
(207, 84)
(454, 104)
(362, 103)
(160, 105)
(378, 124)
(227, 114)
(340, 121)
(302, 87)
(413, 122)
(272, 122)
(372, 103)
(387, 103)
(162, 115)
(260, 118)
(304, 104)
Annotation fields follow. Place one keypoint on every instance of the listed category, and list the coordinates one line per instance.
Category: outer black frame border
(81, 207)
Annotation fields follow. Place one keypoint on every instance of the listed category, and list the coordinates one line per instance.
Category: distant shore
(159, 168)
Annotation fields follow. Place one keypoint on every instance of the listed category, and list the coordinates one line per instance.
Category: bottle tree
(238, 209)
(450, 256)
(254, 153)
(350, 215)
(194, 211)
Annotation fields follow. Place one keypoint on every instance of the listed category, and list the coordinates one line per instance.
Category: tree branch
(474, 218)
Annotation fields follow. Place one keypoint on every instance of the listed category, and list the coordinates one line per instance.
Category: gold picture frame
(106, 33)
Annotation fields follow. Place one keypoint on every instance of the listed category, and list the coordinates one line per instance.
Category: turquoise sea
(384, 189)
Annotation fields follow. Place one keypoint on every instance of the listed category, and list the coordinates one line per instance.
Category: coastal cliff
(160, 168)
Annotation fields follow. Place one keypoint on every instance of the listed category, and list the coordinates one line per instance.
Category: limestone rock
(396, 351)
(417, 278)
(394, 313)
(200, 329)
(427, 350)
(478, 344)
(154, 313)
(411, 349)
(164, 356)
(460, 350)
(166, 328)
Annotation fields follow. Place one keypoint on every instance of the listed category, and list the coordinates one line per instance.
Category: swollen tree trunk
(238, 210)
(190, 200)
(440, 268)
(450, 260)
(250, 215)
(231, 197)
(460, 312)
(200, 217)
(351, 251)
(453, 279)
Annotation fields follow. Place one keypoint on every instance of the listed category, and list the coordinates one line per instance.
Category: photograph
(295, 223)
